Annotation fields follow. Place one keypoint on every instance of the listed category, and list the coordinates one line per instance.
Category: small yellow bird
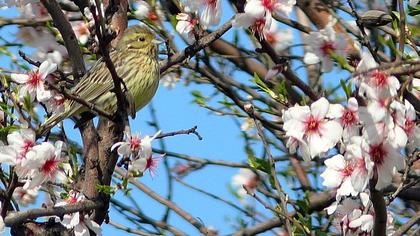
(136, 61)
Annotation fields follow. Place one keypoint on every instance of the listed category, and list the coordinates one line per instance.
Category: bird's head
(139, 37)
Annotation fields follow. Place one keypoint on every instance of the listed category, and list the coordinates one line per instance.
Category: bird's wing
(91, 88)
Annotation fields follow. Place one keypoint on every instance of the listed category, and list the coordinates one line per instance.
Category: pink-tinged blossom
(81, 31)
(338, 175)
(405, 128)
(33, 82)
(56, 103)
(323, 45)
(185, 26)
(25, 196)
(144, 160)
(142, 10)
(209, 11)
(386, 160)
(309, 125)
(362, 167)
(279, 39)
(143, 164)
(44, 160)
(350, 217)
(347, 116)
(20, 143)
(128, 147)
(375, 84)
(80, 223)
(247, 178)
(254, 17)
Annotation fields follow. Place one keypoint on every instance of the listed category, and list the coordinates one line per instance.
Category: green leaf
(346, 88)
(199, 98)
(413, 11)
(106, 189)
(259, 164)
(261, 84)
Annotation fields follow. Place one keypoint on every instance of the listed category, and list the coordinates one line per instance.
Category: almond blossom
(56, 103)
(33, 82)
(323, 45)
(309, 125)
(350, 216)
(347, 116)
(140, 151)
(144, 160)
(339, 174)
(405, 129)
(129, 147)
(385, 157)
(245, 177)
(254, 17)
(25, 196)
(142, 10)
(143, 164)
(79, 222)
(81, 31)
(185, 26)
(20, 143)
(44, 161)
(375, 84)
(209, 11)
(279, 39)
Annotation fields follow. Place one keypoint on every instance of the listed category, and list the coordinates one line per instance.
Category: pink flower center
(327, 48)
(268, 4)
(377, 154)
(50, 166)
(27, 145)
(409, 126)
(269, 37)
(258, 26)
(149, 163)
(211, 3)
(59, 99)
(71, 199)
(380, 79)
(34, 79)
(152, 16)
(347, 170)
(349, 117)
(135, 143)
(312, 125)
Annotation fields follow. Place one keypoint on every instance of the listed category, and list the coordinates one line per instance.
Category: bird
(135, 59)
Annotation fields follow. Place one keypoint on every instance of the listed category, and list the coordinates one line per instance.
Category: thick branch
(19, 217)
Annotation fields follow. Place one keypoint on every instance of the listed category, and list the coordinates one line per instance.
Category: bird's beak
(157, 41)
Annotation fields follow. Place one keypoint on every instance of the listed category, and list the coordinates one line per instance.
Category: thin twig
(405, 227)
(192, 220)
(193, 130)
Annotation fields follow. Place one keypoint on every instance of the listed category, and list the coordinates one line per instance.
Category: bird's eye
(141, 39)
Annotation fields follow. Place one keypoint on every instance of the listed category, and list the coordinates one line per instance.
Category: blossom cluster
(371, 138)
(137, 154)
(35, 164)
(33, 86)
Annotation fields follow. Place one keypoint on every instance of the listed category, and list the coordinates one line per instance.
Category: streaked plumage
(135, 60)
